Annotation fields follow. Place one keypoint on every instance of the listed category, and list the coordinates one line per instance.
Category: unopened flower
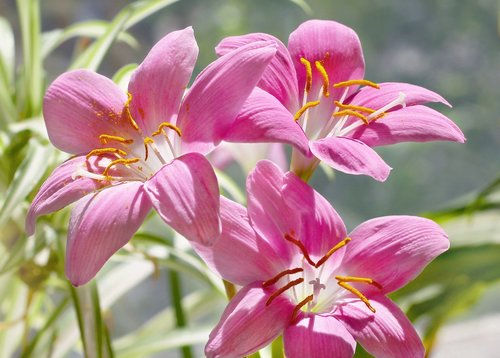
(317, 80)
(142, 150)
(304, 277)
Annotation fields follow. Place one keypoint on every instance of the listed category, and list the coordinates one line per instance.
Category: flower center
(127, 159)
(310, 287)
(341, 118)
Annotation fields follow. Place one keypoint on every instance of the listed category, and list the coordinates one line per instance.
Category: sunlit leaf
(88, 29)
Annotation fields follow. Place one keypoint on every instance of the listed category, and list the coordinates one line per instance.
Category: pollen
(358, 279)
(308, 67)
(302, 248)
(358, 294)
(332, 251)
(354, 108)
(276, 278)
(324, 75)
(348, 112)
(283, 289)
(169, 126)
(356, 82)
(119, 161)
(147, 141)
(129, 115)
(105, 138)
(304, 108)
(301, 304)
(106, 151)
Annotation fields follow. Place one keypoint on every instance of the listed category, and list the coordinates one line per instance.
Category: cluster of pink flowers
(303, 276)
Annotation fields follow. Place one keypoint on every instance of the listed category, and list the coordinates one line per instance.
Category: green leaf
(92, 57)
(26, 178)
(122, 76)
(29, 18)
(303, 5)
(8, 111)
(88, 29)
(143, 9)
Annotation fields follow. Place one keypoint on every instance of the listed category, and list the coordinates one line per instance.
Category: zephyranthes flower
(317, 79)
(142, 150)
(306, 278)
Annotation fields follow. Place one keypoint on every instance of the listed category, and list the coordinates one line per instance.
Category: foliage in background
(42, 315)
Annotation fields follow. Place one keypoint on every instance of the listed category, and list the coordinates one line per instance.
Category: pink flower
(317, 78)
(142, 151)
(306, 278)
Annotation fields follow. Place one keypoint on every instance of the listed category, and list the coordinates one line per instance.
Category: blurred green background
(449, 46)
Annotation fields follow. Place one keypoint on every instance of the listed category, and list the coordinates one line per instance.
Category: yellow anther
(309, 77)
(129, 115)
(105, 138)
(147, 141)
(119, 161)
(301, 304)
(378, 116)
(356, 82)
(167, 125)
(324, 75)
(357, 293)
(106, 151)
(304, 108)
(359, 279)
(354, 108)
(348, 112)
(332, 251)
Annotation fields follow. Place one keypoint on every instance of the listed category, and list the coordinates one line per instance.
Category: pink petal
(321, 227)
(386, 333)
(319, 337)
(247, 324)
(336, 45)
(350, 156)
(79, 106)
(410, 124)
(393, 250)
(279, 78)
(264, 119)
(100, 225)
(158, 84)
(60, 190)
(240, 255)
(185, 193)
(389, 91)
(270, 216)
(215, 99)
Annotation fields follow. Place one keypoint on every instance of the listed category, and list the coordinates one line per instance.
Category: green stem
(176, 295)
(230, 289)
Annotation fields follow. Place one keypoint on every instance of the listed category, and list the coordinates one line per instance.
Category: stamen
(167, 125)
(129, 115)
(302, 248)
(399, 101)
(348, 112)
(283, 289)
(301, 304)
(356, 82)
(119, 161)
(304, 108)
(357, 293)
(309, 77)
(105, 151)
(332, 251)
(280, 275)
(353, 107)
(105, 138)
(359, 279)
(326, 80)
(147, 141)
